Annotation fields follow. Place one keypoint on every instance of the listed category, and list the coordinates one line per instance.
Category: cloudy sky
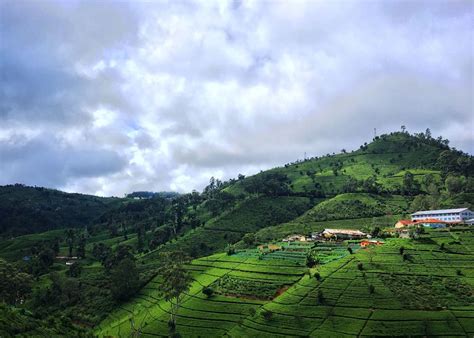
(109, 97)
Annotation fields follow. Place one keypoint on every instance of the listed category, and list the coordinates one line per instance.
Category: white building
(446, 215)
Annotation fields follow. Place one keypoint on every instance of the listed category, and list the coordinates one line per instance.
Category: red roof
(405, 221)
(429, 220)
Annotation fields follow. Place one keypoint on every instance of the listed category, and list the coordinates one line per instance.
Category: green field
(373, 292)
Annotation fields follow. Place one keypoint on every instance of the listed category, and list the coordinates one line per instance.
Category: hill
(424, 290)
(378, 167)
(26, 209)
(120, 246)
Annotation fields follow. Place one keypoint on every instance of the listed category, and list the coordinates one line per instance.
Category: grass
(387, 297)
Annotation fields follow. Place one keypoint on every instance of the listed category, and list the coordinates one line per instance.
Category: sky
(110, 97)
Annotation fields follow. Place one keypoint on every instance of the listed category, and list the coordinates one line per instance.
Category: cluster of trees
(437, 195)
(270, 184)
(369, 185)
(25, 210)
(120, 266)
(60, 292)
(15, 285)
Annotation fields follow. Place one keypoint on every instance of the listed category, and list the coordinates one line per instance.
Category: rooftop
(441, 211)
(344, 231)
(405, 221)
(429, 220)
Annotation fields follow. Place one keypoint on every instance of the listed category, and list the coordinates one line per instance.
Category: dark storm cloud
(48, 161)
(43, 43)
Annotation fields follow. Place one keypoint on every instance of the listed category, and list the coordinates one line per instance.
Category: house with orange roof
(404, 223)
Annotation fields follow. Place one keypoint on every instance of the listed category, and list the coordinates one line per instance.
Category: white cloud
(182, 91)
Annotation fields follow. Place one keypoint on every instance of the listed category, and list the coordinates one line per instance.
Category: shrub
(360, 266)
(230, 250)
(405, 257)
(459, 272)
(401, 250)
(317, 276)
(311, 261)
(267, 315)
(350, 250)
(320, 297)
(208, 291)
(371, 289)
(442, 247)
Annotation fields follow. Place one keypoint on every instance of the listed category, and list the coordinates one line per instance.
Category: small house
(404, 223)
(366, 243)
(295, 238)
(340, 234)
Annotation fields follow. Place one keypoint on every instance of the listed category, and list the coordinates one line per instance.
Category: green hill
(373, 292)
(26, 210)
(386, 160)
(257, 291)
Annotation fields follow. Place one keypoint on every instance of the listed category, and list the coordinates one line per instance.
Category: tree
(267, 315)
(428, 180)
(447, 161)
(81, 247)
(74, 270)
(176, 280)
(14, 285)
(311, 260)
(403, 128)
(46, 258)
(101, 252)
(401, 250)
(454, 184)
(350, 185)
(420, 202)
(140, 238)
(410, 186)
(70, 238)
(208, 291)
(428, 133)
(249, 239)
(124, 279)
(160, 236)
(55, 246)
(370, 185)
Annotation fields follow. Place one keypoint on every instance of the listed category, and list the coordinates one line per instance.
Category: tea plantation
(424, 289)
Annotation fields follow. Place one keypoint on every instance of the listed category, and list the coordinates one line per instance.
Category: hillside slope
(385, 160)
(373, 292)
(26, 210)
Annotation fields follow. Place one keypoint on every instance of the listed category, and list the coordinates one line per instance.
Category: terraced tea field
(253, 279)
(405, 287)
